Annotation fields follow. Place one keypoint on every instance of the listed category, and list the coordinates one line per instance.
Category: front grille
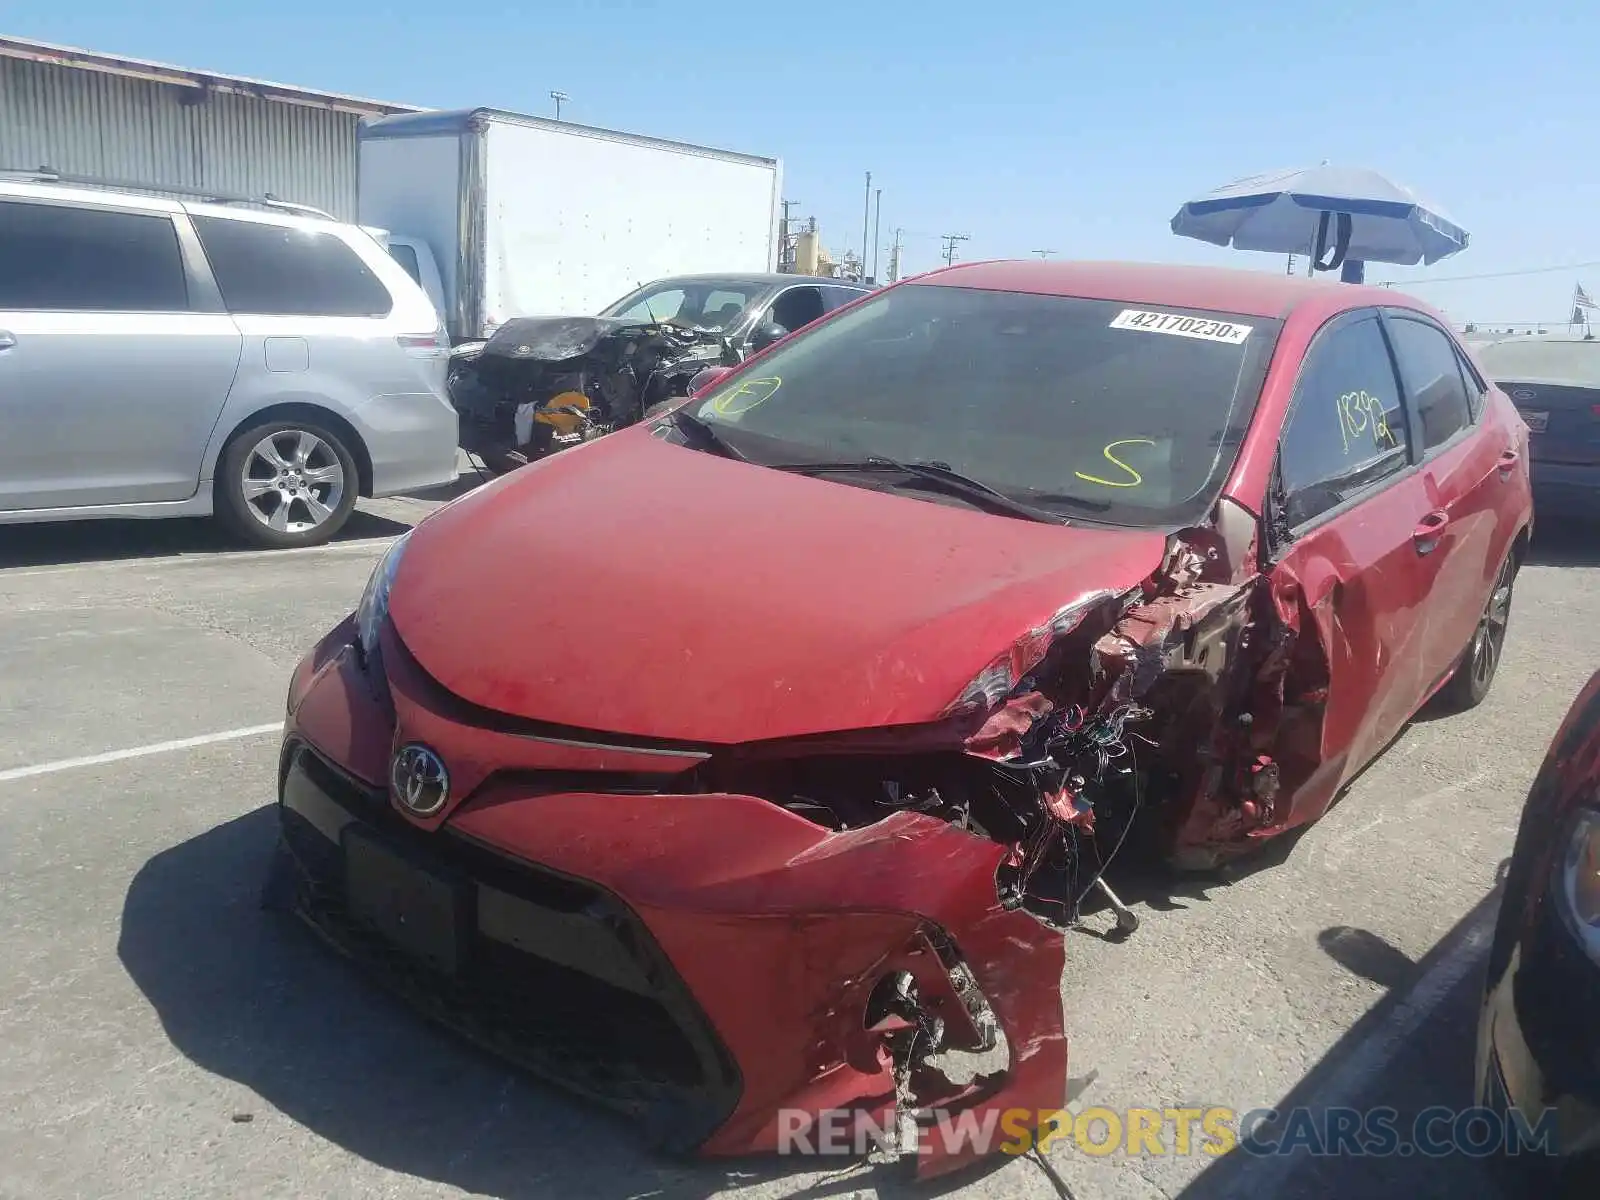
(571, 987)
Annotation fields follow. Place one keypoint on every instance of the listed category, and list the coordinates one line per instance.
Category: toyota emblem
(420, 782)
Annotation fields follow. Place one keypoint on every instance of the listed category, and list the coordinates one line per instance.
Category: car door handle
(7, 341)
(1429, 530)
(1508, 461)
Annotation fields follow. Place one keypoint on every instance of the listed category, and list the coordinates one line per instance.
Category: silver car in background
(163, 358)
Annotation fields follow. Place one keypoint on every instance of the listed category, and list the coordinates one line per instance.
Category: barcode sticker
(1178, 325)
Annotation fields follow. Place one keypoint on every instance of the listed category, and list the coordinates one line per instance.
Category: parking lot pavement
(161, 1036)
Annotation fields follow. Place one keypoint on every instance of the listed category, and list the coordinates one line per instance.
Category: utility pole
(877, 218)
(559, 98)
(950, 240)
(1044, 253)
(785, 249)
(866, 217)
(894, 256)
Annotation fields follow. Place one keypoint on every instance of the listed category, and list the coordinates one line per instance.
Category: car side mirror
(765, 335)
(706, 378)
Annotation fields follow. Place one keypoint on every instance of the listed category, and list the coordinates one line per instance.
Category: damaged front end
(863, 927)
(541, 384)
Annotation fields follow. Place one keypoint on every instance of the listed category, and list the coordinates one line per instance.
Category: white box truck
(500, 216)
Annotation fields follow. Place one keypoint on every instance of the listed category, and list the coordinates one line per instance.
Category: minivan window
(406, 256)
(1432, 373)
(275, 270)
(59, 259)
(1098, 410)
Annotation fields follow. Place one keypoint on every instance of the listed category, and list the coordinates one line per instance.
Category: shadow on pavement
(252, 996)
(1364, 953)
(1413, 1050)
(53, 543)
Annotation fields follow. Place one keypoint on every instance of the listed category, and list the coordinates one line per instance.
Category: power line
(1493, 275)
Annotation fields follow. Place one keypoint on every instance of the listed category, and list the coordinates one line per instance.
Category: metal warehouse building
(156, 126)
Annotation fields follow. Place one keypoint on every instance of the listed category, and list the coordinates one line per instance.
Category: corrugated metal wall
(91, 123)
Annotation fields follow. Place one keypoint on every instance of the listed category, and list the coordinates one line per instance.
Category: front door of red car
(1355, 559)
(1462, 471)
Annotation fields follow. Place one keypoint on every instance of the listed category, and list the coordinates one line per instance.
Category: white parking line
(95, 760)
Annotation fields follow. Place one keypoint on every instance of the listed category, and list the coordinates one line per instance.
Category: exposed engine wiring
(1133, 815)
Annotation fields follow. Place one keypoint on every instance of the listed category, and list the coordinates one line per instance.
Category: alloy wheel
(1489, 641)
(292, 481)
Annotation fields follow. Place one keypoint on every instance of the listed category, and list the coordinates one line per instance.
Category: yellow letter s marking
(1112, 458)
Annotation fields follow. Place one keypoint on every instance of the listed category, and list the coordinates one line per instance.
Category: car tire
(285, 484)
(1475, 673)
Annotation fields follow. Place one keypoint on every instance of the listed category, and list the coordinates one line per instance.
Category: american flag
(1580, 298)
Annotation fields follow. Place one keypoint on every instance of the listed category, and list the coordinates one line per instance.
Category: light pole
(560, 98)
(877, 218)
(866, 220)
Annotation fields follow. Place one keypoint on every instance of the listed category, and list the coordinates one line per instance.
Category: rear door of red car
(1353, 562)
(1462, 472)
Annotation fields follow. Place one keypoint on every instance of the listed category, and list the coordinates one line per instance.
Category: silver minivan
(163, 358)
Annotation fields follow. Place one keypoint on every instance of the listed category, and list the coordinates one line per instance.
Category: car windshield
(1128, 414)
(699, 304)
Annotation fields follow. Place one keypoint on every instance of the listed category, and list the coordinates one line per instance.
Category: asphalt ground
(161, 1035)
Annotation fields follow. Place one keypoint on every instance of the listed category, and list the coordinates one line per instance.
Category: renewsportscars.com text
(1209, 1132)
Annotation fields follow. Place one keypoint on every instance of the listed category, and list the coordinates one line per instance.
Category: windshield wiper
(940, 474)
(698, 431)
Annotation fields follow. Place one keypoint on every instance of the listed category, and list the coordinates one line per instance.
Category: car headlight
(1580, 881)
(374, 606)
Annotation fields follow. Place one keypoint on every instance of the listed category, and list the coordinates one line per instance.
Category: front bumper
(735, 945)
(549, 972)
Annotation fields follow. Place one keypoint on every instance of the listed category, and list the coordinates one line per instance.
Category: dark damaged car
(1538, 1062)
(753, 760)
(543, 384)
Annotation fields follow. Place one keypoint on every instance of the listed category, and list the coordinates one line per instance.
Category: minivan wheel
(285, 484)
(1476, 671)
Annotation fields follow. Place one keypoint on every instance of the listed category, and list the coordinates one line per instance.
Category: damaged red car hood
(639, 587)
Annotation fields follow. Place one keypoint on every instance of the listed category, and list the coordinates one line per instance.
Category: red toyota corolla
(744, 767)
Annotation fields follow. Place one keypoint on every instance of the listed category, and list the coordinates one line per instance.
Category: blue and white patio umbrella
(1341, 216)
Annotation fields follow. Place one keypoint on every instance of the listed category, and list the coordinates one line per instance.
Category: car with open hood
(746, 766)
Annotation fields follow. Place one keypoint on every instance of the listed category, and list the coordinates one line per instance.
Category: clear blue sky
(1066, 126)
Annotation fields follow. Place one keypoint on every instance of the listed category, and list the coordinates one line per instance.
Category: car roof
(773, 278)
(108, 197)
(23, 189)
(1561, 361)
(1222, 289)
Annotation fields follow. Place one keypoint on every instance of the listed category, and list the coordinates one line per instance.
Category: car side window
(406, 256)
(1477, 390)
(797, 307)
(1431, 370)
(838, 297)
(280, 270)
(1346, 429)
(55, 258)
